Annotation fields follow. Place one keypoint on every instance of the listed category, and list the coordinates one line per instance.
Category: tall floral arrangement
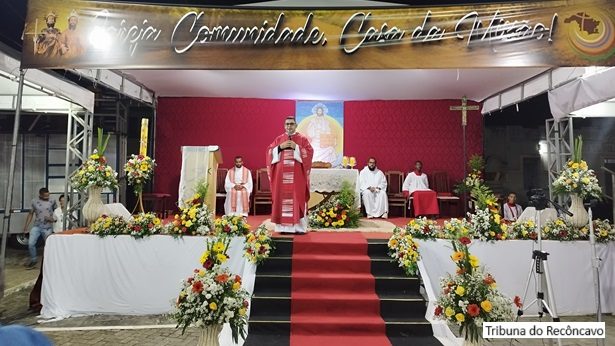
(337, 212)
(577, 178)
(194, 218)
(95, 171)
(404, 250)
(139, 170)
(475, 177)
(470, 297)
(212, 296)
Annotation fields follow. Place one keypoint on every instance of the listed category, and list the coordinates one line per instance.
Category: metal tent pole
(6, 221)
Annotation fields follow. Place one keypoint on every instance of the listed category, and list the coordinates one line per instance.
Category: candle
(144, 128)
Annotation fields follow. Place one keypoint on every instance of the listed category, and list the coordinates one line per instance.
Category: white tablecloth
(509, 262)
(331, 179)
(87, 275)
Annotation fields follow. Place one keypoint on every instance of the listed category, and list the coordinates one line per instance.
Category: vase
(209, 335)
(93, 207)
(580, 217)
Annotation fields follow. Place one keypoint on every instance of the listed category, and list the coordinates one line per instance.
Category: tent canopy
(42, 91)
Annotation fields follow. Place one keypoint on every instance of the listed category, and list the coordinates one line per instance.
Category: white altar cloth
(87, 275)
(331, 179)
(509, 262)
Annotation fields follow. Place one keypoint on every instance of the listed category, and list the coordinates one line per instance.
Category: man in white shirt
(424, 200)
(238, 186)
(373, 186)
(58, 214)
(512, 210)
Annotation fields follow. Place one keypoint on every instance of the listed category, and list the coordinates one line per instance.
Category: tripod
(596, 261)
(540, 266)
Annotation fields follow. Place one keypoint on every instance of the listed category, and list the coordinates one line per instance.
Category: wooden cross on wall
(464, 108)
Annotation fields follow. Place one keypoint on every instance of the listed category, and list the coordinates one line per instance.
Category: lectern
(199, 163)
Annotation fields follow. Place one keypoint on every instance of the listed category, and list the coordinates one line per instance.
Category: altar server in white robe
(424, 200)
(512, 210)
(373, 185)
(238, 186)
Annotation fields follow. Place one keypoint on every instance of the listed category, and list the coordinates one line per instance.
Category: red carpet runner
(333, 292)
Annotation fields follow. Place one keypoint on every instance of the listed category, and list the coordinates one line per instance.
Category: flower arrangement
(423, 228)
(212, 296)
(474, 178)
(144, 224)
(577, 178)
(604, 231)
(139, 170)
(258, 245)
(338, 212)
(457, 228)
(470, 297)
(404, 249)
(561, 229)
(523, 230)
(194, 218)
(109, 225)
(231, 225)
(487, 225)
(95, 171)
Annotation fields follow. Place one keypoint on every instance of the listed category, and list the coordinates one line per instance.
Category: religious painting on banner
(322, 122)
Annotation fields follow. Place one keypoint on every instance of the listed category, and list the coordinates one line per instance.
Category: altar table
(326, 182)
(86, 275)
(509, 262)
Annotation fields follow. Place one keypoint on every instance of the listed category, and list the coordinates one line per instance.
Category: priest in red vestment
(424, 200)
(289, 160)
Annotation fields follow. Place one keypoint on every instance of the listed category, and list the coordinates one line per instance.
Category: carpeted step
(348, 340)
(332, 283)
(341, 325)
(311, 303)
(314, 263)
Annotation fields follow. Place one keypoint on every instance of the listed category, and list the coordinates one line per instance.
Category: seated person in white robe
(373, 186)
(424, 200)
(238, 186)
(512, 210)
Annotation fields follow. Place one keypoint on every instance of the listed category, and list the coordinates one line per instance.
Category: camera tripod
(540, 267)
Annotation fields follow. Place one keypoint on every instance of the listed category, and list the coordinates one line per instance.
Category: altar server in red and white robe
(373, 185)
(238, 186)
(424, 200)
(512, 210)
(289, 161)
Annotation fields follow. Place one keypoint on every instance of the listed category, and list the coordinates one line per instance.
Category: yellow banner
(91, 34)
(144, 129)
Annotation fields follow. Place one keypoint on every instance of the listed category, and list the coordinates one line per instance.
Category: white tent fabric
(67, 90)
(582, 92)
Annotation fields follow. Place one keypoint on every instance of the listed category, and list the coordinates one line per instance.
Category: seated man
(424, 200)
(512, 210)
(238, 186)
(373, 186)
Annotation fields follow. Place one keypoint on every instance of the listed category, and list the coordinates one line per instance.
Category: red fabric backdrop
(396, 132)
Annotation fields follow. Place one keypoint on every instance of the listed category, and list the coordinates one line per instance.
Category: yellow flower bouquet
(404, 249)
(470, 297)
(212, 296)
(258, 245)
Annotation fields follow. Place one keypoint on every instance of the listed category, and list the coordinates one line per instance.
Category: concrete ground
(153, 329)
